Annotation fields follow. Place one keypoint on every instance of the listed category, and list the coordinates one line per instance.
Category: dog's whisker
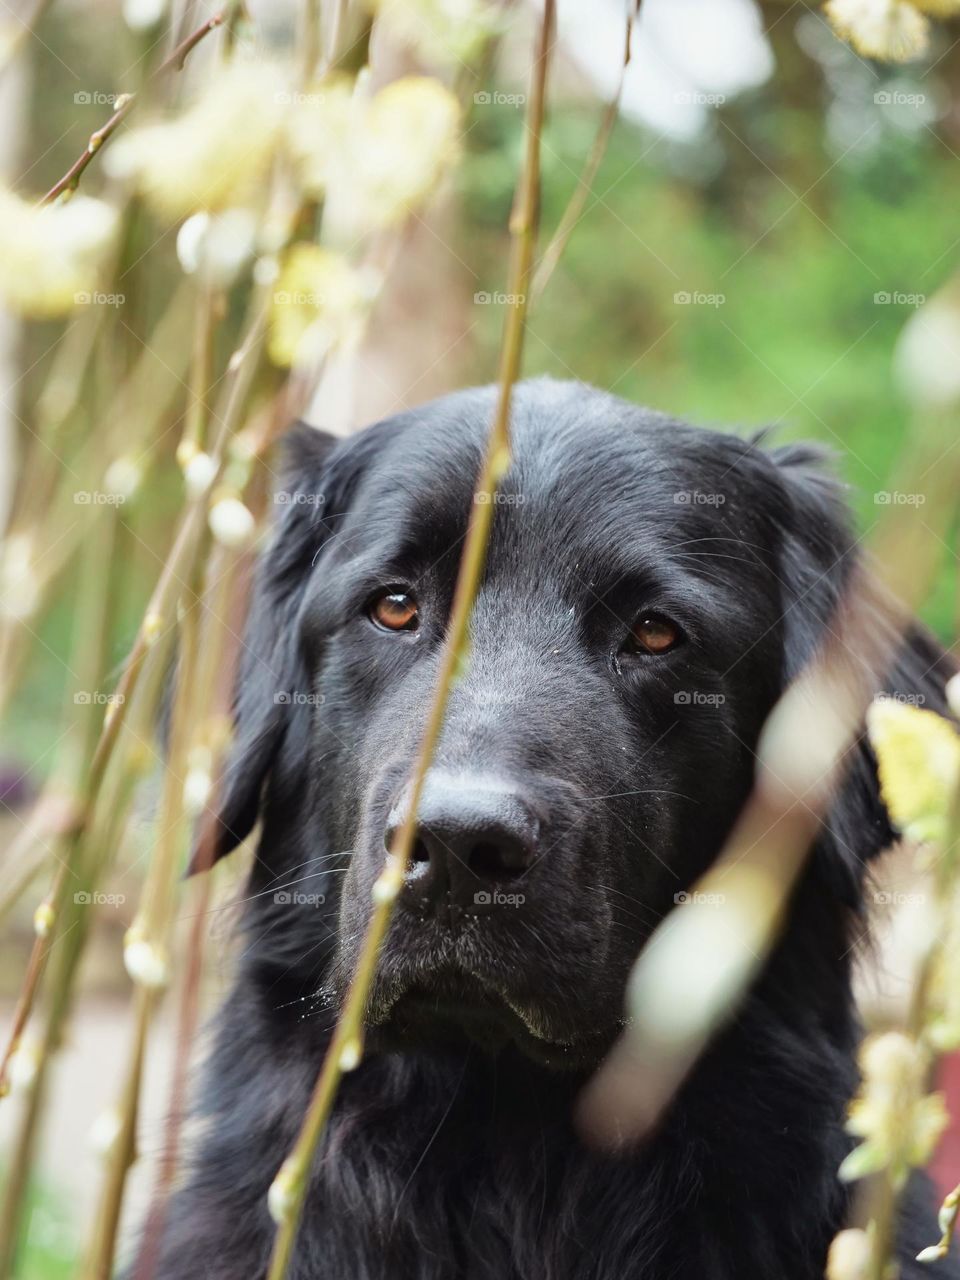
(607, 888)
(323, 857)
(647, 791)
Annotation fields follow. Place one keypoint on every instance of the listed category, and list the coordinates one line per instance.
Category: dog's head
(649, 590)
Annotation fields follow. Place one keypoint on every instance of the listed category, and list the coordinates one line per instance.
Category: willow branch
(574, 210)
(90, 644)
(152, 927)
(288, 1192)
(948, 1226)
(125, 104)
(213, 686)
(54, 920)
(891, 1180)
(144, 666)
(124, 1148)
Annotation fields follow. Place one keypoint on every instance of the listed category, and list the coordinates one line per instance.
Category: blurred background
(771, 212)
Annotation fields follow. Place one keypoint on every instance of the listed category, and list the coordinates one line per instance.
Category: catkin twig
(574, 210)
(125, 104)
(288, 1191)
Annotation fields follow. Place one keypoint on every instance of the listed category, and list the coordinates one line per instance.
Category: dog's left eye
(394, 610)
(653, 633)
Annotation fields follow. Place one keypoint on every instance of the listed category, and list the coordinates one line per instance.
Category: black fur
(452, 1151)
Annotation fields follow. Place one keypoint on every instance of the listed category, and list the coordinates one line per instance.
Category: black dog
(650, 590)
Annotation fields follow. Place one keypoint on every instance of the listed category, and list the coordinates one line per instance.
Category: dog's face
(649, 588)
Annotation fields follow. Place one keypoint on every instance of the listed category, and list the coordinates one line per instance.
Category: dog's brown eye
(654, 633)
(395, 610)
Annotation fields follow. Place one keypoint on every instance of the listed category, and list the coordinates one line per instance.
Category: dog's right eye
(394, 610)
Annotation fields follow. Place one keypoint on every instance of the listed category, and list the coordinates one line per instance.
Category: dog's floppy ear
(313, 491)
(817, 561)
(817, 550)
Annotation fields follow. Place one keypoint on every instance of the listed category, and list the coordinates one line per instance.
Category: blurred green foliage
(50, 1251)
(798, 340)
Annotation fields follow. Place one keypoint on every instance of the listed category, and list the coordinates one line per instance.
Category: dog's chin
(450, 1009)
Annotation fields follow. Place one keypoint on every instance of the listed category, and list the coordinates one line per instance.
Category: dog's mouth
(512, 966)
(450, 1007)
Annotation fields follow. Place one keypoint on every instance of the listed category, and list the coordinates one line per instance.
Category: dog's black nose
(474, 836)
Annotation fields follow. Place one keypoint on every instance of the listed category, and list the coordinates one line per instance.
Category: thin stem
(145, 657)
(152, 925)
(290, 1186)
(24, 1144)
(574, 210)
(53, 906)
(125, 104)
(141, 399)
(124, 1148)
(90, 857)
(213, 686)
(90, 643)
(208, 302)
(23, 875)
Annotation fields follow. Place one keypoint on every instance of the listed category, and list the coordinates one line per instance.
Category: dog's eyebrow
(339, 590)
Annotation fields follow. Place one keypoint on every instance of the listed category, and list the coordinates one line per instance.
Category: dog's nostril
(473, 833)
(499, 861)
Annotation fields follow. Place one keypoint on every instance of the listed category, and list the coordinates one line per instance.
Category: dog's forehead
(591, 478)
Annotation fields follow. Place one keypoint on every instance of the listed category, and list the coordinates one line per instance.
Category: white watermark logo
(684, 298)
(485, 898)
(485, 498)
(694, 98)
(894, 498)
(294, 698)
(893, 898)
(897, 298)
(97, 498)
(283, 499)
(483, 299)
(898, 98)
(97, 98)
(697, 498)
(484, 98)
(694, 698)
(288, 898)
(299, 298)
(98, 299)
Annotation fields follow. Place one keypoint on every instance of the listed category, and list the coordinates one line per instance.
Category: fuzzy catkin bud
(933, 1253)
(43, 919)
(145, 962)
(152, 627)
(280, 1197)
(231, 523)
(199, 473)
(849, 1255)
(388, 884)
(351, 1054)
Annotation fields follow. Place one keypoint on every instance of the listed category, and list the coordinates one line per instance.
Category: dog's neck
(434, 1162)
(440, 1166)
